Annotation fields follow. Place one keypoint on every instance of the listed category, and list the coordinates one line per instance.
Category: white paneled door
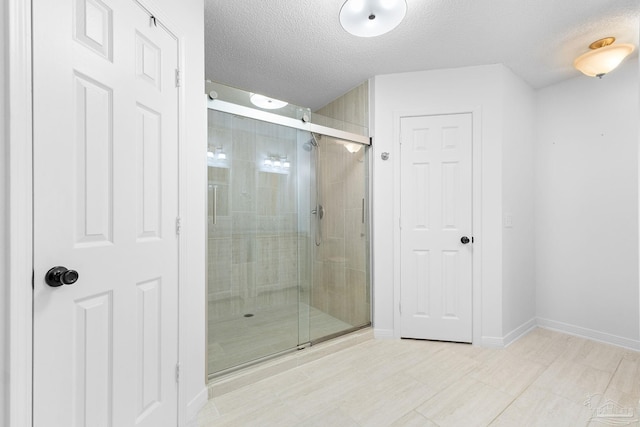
(436, 239)
(105, 206)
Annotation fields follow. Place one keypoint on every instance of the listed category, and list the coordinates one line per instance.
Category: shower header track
(239, 110)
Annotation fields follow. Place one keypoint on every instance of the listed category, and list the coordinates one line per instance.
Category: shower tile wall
(341, 266)
(350, 111)
(340, 286)
(253, 247)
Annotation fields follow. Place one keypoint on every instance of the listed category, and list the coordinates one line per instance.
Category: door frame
(476, 212)
(20, 208)
(19, 215)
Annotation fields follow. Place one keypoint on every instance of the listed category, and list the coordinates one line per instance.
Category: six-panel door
(105, 204)
(436, 200)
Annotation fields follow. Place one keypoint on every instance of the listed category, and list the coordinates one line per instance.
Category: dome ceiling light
(603, 57)
(370, 18)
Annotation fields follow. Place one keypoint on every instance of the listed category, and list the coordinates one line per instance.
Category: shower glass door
(339, 296)
(253, 242)
(287, 237)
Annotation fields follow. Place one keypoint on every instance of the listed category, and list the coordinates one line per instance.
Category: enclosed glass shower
(288, 230)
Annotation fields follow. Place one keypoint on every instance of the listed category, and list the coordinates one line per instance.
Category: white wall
(4, 312)
(518, 247)
(587, 206)
(432, 92)
(188, 16)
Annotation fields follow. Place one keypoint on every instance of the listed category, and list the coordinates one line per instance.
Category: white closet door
(105, 205)
(436, 200)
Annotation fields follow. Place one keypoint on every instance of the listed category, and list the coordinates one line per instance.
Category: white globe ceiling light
(603, 57)
(370, 18)
(266, 102)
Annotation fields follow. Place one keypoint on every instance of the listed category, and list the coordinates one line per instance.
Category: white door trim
(20, 189)
(476, 113)
(20, 210)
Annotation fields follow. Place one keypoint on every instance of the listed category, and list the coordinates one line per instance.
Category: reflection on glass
(271, 284)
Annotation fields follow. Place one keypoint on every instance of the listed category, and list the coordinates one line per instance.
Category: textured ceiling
(297, 51)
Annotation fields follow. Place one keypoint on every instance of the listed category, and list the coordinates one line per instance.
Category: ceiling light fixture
(266, 102)
(603, 57)
(370, 18)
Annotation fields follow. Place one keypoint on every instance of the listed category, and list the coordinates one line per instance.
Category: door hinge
(400, 307)
(33, 279)
(178, 78)
(177, 372)
(178, 225)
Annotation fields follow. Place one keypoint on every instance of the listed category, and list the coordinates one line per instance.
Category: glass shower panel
(253, 240)
(340, 296)
(288, 260)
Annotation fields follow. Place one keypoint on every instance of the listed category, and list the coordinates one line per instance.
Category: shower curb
(236, 380)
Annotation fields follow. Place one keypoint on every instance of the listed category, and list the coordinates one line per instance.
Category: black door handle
(464, 240)
(59, 276)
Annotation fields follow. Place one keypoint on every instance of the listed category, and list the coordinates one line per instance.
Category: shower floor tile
(243, 339)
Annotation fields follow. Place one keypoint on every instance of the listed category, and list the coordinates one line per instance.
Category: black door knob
(59, 276)
(465, 240)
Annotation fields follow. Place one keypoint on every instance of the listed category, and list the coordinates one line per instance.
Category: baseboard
(519, 332)
(195, 405)
(588, 333)
(505, 341)
(383, 333)
(492, 342)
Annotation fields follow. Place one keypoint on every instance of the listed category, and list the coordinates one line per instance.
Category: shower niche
(288, 231)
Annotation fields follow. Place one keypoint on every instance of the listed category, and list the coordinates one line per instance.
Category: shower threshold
(232, 379)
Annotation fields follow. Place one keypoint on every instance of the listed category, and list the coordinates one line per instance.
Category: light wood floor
(543, 379)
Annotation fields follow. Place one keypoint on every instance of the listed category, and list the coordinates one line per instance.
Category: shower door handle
(318, 211)
(214, 204)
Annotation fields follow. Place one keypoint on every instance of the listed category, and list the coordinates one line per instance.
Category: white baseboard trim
(588, 333)
(502, 342)
(519, 332)
(383, 333)
(196, 404)
(492, 342)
